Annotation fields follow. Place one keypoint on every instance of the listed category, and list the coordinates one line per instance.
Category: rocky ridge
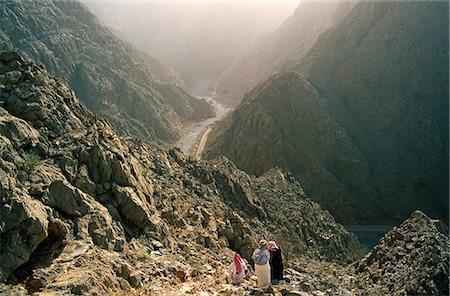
(114, 214)
(108, 75)
(412, 259)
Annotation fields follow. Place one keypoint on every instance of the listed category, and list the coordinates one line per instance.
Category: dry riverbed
(194, 140)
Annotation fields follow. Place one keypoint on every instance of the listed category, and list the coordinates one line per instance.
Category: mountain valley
(143, 145)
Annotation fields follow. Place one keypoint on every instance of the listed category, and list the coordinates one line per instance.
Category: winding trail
(194, 140)
(198, 149)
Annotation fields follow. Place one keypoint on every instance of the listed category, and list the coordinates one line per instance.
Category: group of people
(268, 265)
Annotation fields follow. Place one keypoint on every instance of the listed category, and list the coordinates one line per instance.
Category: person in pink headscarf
(238, 269)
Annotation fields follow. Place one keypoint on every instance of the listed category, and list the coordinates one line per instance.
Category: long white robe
(262, 271)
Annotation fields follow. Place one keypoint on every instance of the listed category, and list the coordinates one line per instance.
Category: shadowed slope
(363, 122)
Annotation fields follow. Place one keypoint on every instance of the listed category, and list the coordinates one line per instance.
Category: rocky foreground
(86, 212)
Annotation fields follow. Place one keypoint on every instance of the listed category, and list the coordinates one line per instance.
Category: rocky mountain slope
(84, 211)
(411, 259)
(361, 119)
(108, 75)
(289, 42)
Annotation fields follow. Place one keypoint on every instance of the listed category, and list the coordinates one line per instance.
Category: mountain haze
(198, 39)
(289, 42)
(361, 119)
(108, 75)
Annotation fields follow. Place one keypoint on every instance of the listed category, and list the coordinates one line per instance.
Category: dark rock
(36, 190)
(399, 235)
(135, 279)
(157, 245)
(305, 286)
(337, 117)
(9, 56)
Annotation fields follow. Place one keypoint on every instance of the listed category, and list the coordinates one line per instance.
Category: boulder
(99, 163)
(18, 131)
(68, 199)
(9, 56)
(131, 205)
(84, 182)
(24, 226)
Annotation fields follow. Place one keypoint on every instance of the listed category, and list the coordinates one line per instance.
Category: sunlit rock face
(361, 119)
(108, 75)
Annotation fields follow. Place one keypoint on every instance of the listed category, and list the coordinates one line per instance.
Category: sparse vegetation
(32, 160)
(10, 86)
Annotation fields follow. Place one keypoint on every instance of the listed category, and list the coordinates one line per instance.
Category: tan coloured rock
(69, 199)
(24, 224)
(131, 205)
(18, 131)
(99, 164)
(84, 182)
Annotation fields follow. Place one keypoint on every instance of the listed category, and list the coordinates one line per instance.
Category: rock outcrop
(84, 211)
(108, 75)
(361, 120)
(412, 259)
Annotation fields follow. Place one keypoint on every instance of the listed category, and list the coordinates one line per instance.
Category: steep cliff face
(108, 75)
(85, 211)
(363, 119)
(288, 43)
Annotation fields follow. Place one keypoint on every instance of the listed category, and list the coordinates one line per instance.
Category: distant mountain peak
(363, 124)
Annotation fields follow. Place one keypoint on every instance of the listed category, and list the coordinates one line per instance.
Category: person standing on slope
(238, 269)
(276, 262)
(261, 258)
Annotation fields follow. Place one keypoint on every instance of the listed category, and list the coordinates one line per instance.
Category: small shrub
(10, 86)
(31, 161)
